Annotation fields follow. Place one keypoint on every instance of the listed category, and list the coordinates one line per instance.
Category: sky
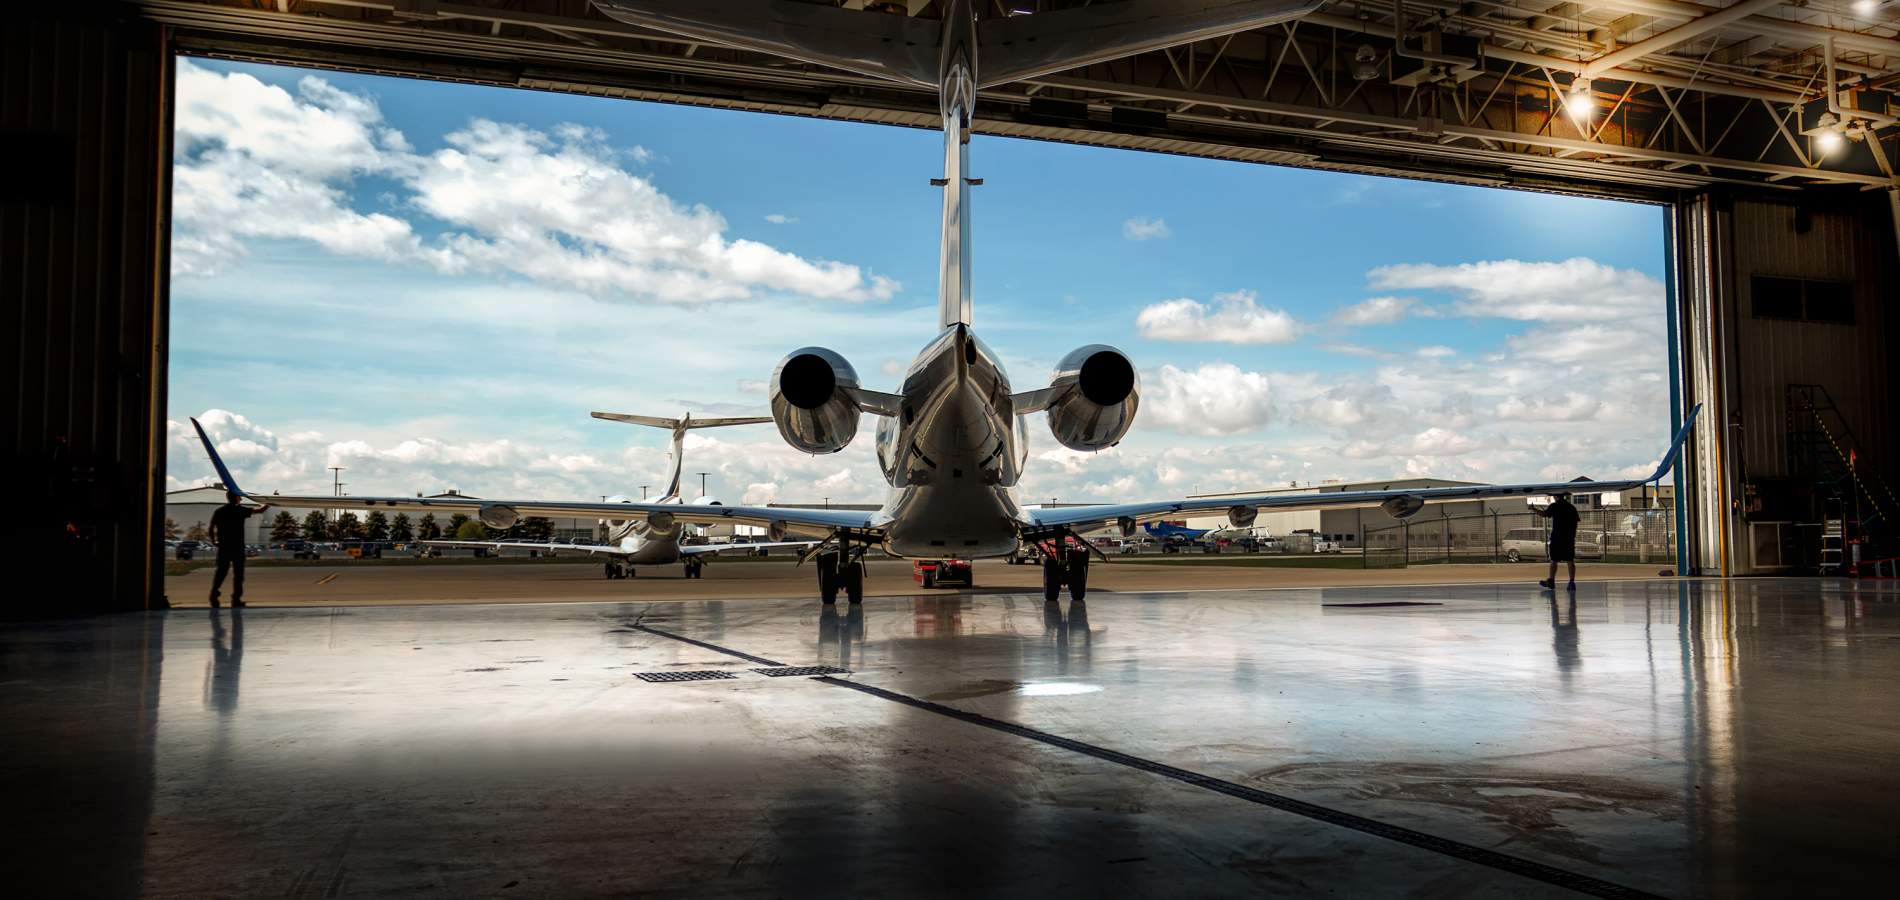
(432, 284)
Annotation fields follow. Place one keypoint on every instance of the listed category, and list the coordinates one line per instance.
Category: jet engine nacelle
(495, 515)
(1242, 516)
(707, 501)
(1403, 507)
(1126, 525)
(811, 403)
(616, 523)
(1095, 395)
(660, 523)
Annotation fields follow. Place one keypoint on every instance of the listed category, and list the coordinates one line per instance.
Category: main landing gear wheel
(694, 568)
(1051, 579)
(613, 571)
(828, 578)
(1078, 574)
(854, 582)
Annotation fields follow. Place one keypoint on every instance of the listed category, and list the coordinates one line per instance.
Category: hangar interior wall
(83, 96)
(1745, 344)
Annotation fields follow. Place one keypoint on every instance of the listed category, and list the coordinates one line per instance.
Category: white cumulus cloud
(560, 206)
(1141, 228)
(1375, 311)
(1214, 399)
(1233, 318)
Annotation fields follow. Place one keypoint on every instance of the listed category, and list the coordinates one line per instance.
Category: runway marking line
(328, 578)
(1504, 862)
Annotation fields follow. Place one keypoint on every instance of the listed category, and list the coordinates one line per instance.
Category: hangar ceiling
(1631, 98)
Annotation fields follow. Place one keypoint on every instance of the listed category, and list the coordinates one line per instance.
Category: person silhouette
(227, 533)
(1563, 538)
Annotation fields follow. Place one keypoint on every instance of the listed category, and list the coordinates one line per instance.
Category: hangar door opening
(393, 287)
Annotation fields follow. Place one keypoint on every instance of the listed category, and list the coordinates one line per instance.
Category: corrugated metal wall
(82, 264)
(1851, 361)
(1740, 366)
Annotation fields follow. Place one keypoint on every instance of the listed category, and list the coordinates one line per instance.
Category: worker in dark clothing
(227, 532)
(1563, 539)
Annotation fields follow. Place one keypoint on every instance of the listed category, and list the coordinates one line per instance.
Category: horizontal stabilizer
(688, 421)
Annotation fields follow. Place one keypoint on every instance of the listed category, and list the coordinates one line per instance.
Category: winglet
(1675, 446)
(217, 462)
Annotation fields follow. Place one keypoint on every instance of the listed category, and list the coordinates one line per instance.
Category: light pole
(336, 482)
(702, 483)
(643, 492)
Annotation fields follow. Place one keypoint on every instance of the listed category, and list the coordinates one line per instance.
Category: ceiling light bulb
(1580, 103)
(1866, 7)
(1828, 141)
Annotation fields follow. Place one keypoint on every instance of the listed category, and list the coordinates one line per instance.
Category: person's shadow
(1564, 635)
(227, 659)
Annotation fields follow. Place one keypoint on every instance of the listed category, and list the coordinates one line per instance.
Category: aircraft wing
(1405, 501)
(825, 520)
(702, 549)
(1016, 47)
(896, 48)
(529, 545)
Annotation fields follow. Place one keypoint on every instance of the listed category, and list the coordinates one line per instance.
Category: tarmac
(351, 583)
(1638, 738)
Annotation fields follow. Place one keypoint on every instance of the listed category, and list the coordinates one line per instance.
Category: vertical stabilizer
(677, 454)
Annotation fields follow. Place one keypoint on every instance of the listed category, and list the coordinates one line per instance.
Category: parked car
(188, 549)
(1534, 543)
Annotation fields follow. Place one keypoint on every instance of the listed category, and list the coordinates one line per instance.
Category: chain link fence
(1603, 535)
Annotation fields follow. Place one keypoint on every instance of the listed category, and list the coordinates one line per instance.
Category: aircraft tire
(1078, 575)
(828, 578)
(1051, 580)
(611, 574)
(854, 582)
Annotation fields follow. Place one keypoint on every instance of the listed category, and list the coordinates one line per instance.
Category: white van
(1531, 543)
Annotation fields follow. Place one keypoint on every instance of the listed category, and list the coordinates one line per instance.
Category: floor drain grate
(783, 671)
(699, 675)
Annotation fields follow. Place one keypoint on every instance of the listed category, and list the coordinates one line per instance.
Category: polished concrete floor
(1674, 738)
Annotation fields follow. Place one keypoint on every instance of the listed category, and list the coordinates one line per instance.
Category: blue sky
(434, 283)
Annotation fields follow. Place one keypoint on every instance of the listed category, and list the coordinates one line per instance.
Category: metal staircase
(1855, 503)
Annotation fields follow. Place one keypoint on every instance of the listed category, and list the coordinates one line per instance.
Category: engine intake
(495, 515)
(811, 400)
(1403, 506)
(1096, 394)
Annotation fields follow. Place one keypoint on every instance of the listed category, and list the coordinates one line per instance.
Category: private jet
(952, 440)
(654, 539)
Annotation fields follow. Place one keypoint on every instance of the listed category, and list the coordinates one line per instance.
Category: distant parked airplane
(652, 540)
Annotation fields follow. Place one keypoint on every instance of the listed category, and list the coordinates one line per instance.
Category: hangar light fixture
(1866, 7)
(1829, 136)
(1580, 104)
(1365, 63)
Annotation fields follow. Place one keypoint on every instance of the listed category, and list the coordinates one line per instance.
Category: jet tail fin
(679, 427)
(217, 462)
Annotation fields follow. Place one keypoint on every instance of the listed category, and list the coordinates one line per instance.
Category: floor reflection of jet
(952, 441)
(654, 539)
